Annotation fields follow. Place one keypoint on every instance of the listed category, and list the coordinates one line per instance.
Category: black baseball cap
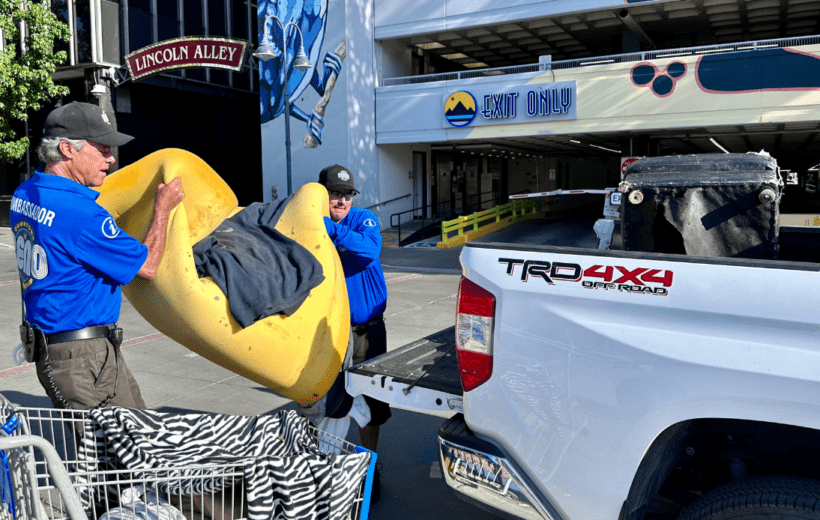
(78, 120)
(337, 178)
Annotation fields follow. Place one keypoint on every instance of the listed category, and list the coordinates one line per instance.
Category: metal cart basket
(42, 477)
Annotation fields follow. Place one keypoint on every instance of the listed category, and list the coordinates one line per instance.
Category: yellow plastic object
(297, 356)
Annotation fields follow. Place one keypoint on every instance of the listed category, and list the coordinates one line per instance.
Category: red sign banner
(186, 52)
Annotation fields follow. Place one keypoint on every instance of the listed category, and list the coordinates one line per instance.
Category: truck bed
(422, 375)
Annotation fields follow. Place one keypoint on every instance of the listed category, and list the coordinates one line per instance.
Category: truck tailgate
(422, 375)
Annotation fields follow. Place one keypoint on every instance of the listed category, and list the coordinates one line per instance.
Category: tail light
(474, 334)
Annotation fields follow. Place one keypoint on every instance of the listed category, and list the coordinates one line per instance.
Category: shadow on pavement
(27, 400)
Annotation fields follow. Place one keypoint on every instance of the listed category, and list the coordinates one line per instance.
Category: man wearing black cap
(356, 234)
(72, 259)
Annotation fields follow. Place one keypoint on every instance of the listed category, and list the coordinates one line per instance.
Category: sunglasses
(339, 195)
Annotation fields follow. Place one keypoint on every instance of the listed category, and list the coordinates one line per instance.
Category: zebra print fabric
(286, 476)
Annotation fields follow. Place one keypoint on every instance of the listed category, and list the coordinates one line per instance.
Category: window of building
(168, 19)
(140, 24)
(110, 13)
(217, 20)
(239, 31)
(60, 8)
(239, 17)
(194, 21)
(193, 14)
(82, 30)
(218, 26)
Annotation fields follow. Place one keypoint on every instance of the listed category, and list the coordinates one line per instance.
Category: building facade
(208, 111)
(443, 107)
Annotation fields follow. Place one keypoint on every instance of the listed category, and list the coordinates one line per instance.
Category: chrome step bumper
(478, 471)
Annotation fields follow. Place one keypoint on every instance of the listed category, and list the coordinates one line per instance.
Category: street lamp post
(266, 52)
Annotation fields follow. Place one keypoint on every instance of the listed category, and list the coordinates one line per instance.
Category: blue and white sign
(109, 228)
(500, 104)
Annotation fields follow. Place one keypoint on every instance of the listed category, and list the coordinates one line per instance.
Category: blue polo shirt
(71, 256)
(358, 240)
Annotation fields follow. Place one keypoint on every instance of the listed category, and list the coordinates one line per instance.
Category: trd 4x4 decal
(639, 280)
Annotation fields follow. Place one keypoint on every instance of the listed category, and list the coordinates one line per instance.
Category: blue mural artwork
(754, 71)
(290, 26)
(737, 72)
(662, 84)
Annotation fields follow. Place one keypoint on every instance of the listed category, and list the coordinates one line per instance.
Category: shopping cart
(43, 478)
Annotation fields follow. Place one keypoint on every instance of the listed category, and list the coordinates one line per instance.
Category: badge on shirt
(32, 260)
(109, 228)
(369, 222)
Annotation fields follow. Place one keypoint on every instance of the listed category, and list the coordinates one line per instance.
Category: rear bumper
(480, 474)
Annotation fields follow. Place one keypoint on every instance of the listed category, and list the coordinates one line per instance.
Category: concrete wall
(742, 88)
(394, 165)
(393, 59)
(415, 113)
(396, 19)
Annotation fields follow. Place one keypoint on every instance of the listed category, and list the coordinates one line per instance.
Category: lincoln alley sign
(186, 52)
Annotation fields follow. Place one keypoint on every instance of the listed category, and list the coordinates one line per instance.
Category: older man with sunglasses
(356, 234)
(72, 259)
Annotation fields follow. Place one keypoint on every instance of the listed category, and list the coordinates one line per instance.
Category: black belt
(99, 331)
(371, 321)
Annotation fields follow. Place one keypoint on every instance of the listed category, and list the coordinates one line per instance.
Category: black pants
(369, 341)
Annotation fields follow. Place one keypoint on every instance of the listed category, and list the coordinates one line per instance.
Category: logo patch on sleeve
(109, 228)
(369, 222)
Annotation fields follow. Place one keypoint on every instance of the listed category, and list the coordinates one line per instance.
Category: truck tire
(758, 498)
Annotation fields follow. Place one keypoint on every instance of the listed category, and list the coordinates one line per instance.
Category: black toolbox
(709, 205)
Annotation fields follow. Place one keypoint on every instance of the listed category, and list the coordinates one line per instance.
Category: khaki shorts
(85, 373)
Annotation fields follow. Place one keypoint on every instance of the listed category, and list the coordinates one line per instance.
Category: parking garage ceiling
(666, 25)
(794, 145)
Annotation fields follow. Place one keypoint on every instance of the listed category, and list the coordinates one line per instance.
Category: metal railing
(438, 214)
(376, 205)
(606, 60)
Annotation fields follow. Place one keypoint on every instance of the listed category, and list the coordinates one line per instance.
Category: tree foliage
(25, 71)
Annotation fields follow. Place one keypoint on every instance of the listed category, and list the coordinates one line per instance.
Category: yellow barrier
(455, 232)
(789, 219)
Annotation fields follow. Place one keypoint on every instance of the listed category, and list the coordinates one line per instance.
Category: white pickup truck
(634, 384)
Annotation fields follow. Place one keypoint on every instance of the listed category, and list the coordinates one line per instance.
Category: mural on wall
(661, 83)
(293, 29)
(773, 70)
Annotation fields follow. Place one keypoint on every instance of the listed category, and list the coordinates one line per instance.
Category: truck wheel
(757, 498)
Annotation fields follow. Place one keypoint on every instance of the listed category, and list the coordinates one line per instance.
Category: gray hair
(49, 149)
